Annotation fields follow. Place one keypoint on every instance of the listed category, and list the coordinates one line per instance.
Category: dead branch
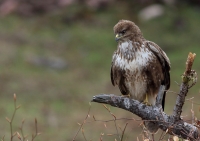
(172, 124)
(186, 78)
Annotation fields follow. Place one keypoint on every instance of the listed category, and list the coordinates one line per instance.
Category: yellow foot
(146, 101)
(128, 95)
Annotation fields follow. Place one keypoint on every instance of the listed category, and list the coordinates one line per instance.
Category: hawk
(139, 66)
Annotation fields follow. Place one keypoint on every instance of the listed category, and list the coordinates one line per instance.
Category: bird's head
(126, 30)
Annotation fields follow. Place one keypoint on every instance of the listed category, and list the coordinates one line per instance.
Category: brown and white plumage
(139, 66)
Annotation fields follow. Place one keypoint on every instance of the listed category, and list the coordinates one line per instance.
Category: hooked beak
(117, 37)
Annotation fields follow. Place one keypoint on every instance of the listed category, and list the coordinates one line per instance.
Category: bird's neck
(126, 50)
(129, 49)
(126, 47)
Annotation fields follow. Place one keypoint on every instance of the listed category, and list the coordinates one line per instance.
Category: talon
(146, 101)
(127, 95)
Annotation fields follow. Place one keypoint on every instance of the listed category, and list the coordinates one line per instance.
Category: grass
(59, 98)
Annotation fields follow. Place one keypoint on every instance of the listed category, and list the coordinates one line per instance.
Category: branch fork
(172, 124)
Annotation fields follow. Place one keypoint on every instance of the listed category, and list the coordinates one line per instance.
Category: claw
(128, 95)
(146, 101)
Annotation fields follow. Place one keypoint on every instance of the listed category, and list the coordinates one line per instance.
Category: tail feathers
(163, 100)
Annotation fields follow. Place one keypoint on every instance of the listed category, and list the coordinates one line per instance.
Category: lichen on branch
(188, 74)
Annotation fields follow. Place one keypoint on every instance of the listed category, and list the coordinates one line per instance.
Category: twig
(177, 83)
(161, 136)
(21, 129)
(193, 117)
(12, 118)
(145, 134)
(36, 131)
(11, 130)
(82, 130)
(101, 138)
(82, 124)
(114, 119)
(191, 100)
(168, 91)
(123, 132)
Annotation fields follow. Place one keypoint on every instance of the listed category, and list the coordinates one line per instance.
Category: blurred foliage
(56, 60)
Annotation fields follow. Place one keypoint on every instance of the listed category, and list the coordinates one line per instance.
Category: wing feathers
(118, 78)
(164, 60)
(112, 75)
(159, 53)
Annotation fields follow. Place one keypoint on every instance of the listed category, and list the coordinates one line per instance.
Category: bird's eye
(123, 31)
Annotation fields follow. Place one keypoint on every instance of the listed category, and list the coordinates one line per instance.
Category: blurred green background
(56, 54)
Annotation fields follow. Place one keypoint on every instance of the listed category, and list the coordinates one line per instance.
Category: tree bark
(171, 124)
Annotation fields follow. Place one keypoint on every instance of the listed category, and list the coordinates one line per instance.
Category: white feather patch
(143, 56)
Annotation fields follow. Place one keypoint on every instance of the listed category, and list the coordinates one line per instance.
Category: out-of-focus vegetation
(56, 60)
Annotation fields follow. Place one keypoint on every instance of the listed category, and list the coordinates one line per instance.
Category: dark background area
(56, 54)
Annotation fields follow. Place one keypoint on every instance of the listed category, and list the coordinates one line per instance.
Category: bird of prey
(139, 66)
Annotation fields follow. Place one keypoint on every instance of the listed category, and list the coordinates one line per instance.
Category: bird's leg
(129, 95)
(146, 101)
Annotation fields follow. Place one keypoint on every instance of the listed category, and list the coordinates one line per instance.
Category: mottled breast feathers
(138, 66)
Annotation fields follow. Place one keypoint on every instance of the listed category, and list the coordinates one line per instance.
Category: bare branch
(171, 124)
(151, 113)
(180, 101)
(186, 77)
(123, 132)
